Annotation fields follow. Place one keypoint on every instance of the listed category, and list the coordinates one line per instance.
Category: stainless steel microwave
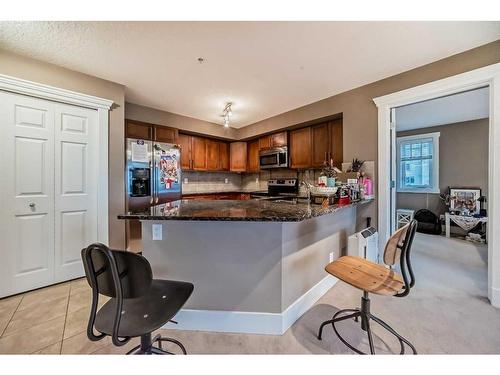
(273, 158)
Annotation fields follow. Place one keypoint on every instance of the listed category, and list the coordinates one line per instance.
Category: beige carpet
(446, 312)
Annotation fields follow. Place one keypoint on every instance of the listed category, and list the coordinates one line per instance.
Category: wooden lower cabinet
(300, 148)
(253, 165)
(238, 157)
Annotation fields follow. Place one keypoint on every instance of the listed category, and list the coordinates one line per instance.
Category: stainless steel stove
(285, 189)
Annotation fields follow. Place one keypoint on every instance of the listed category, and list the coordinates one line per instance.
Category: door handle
(32, 205)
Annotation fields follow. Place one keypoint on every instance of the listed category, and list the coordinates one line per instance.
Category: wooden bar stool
(375, 278)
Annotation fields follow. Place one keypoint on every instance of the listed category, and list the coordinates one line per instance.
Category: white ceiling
(265, 68)
(465, 106)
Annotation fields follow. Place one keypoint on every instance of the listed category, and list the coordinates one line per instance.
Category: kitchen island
(257, 265)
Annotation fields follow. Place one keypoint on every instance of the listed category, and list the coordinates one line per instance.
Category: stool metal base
(146, 346)
(366, 316)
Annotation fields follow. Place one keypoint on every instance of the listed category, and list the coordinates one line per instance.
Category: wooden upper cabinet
(300, 148)
(253, 156)
(223, 156)
(336, 142)
(212, 155)
(199, 153)
(265, 142)
(238, 156)
(273, 140)
(165, 134)
(185, 143)
(279, 139)
(138, 130)
(320, 144)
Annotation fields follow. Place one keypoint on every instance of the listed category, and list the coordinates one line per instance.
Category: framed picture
(465, 200)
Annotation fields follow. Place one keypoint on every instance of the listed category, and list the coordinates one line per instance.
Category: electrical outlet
(186, 180)
(331, 257)
(226, 180)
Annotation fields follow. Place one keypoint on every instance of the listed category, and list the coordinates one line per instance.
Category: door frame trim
(47, 92)
(481, 77)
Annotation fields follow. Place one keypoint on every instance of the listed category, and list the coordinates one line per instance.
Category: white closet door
(76, 164)
(27, 217)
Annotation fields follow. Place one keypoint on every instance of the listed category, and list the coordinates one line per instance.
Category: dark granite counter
(235, 210)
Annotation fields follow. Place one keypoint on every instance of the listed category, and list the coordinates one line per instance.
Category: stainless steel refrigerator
(152, 176)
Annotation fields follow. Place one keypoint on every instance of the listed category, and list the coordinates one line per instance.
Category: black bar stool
(139, 304)
(375, 278)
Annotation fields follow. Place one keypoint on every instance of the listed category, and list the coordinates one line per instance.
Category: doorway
(488, 77)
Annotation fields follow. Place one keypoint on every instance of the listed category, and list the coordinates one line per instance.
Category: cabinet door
(223, 156)
(253, 156)
(238, 156)
(139, 131)
(185, 144)
(212, 147)
(279, 139)
(165, 134)
(199, 154)
(320, 144)
(336, 142)
(300, 148)
(265, 142)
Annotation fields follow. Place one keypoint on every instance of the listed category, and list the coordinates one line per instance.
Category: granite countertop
(236, 210)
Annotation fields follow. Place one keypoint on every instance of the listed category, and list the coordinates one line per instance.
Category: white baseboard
(495, 297)
(251, 322)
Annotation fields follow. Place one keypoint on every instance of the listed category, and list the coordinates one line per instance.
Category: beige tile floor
(50, 320)
(446, 313)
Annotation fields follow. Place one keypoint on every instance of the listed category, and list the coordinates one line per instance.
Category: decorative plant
(356, 165)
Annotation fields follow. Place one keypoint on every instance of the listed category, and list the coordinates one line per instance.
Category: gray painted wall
(463, 162)
(247, 266)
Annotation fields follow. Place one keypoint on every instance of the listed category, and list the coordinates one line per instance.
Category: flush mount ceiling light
(226, 114)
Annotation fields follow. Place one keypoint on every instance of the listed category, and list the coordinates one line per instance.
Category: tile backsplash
(211, 182)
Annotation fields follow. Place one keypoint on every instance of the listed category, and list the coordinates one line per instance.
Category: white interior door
(49, 190)
(393, 170)
(76, 171)
(27, 218)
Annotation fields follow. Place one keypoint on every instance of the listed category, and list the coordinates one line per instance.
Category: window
(418, 163)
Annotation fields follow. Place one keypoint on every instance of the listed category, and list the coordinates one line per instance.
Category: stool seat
(365, 275)
(146, 313)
